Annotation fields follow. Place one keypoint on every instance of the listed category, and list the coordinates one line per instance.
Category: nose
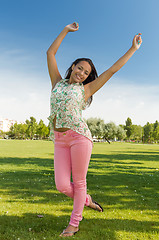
(82, 72)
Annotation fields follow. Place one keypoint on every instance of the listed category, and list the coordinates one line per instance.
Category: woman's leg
(62, 169)
(80, 157)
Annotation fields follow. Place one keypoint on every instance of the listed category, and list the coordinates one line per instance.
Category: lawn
(122, 177)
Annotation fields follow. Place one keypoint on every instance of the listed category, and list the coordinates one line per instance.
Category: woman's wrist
(133, 49)
(66, 29)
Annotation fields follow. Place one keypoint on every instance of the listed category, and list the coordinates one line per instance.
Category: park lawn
(122, 177)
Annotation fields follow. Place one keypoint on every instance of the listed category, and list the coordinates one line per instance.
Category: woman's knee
(80, 184)
(63, 187)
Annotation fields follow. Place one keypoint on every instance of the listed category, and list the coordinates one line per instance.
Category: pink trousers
(72, 152)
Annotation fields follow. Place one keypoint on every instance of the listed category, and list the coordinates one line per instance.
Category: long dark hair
(91, 77)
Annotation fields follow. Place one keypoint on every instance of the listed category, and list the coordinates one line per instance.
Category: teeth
(78, 77)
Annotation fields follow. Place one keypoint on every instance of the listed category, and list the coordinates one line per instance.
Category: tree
(137, 133)
(2, 134)
(16, 130)
(42, 130)
(31, 127)
(128, 127)
(110, 131)
(121, 133)
(155, 133)
(148, 130)
(96, 126)
(23, 128)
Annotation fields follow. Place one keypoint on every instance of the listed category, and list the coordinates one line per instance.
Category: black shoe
(69, 232)
(96, 204)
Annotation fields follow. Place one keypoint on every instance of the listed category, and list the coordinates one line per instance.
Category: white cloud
(117, 100)
(27, 93)
(24, 96)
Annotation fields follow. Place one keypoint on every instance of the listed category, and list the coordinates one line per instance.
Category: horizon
(20, 122)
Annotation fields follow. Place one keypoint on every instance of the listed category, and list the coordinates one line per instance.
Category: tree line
(28, 130)
(149, 133)
(101, 131)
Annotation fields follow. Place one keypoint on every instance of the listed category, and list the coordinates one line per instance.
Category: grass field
(123, 177)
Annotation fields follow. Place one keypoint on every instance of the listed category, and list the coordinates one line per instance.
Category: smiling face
(80, 72)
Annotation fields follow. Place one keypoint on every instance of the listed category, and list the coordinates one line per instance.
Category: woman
(72, 138)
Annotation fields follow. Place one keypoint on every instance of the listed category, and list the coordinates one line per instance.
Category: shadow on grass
(29, 226)
(127, 156)
(119, 181)
(40, 162)
(105, 171)
(134, 187)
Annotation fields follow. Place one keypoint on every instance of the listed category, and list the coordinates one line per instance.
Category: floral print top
(66, 103)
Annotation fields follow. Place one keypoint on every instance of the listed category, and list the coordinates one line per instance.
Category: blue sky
(27, 29)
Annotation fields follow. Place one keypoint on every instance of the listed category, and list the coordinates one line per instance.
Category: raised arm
(51, 52)
(94, 86)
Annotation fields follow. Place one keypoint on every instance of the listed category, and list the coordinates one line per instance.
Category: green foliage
(2, 134)
(29, 130)
(149, 133)
(110, 130)
(121, 133)
(42, 130)
(137, 133)
(96, 126)
(128, 127)
(155, 133)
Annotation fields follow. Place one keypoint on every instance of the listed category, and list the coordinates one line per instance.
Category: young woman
(71, 135)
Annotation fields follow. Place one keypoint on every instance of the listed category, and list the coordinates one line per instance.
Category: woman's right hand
(72, 27)
(137, 41)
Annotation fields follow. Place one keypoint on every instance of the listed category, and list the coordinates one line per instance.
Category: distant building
(5, 124)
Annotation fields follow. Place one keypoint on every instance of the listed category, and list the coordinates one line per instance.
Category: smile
(78, 77)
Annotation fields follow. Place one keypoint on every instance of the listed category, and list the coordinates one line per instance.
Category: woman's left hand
(137, 41)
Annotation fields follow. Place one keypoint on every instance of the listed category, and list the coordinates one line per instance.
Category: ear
(73, 66)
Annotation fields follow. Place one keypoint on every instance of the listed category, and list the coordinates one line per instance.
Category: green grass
(123, 177)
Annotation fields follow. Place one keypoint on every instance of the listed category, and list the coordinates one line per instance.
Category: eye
(80, 68)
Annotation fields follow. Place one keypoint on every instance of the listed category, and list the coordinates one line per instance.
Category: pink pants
(72, 152)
